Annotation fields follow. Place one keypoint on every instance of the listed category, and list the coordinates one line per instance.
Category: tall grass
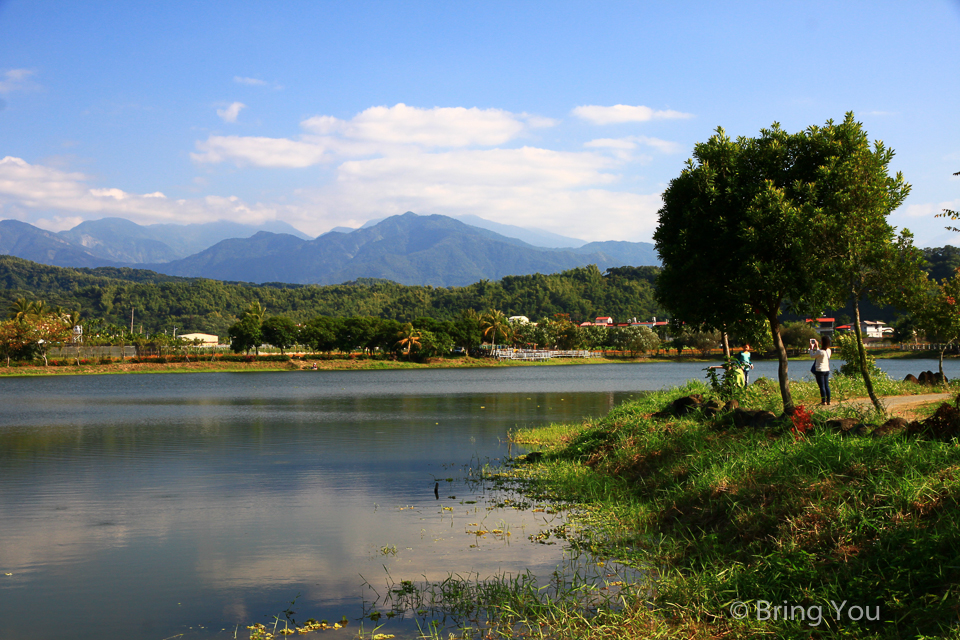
(749, 516)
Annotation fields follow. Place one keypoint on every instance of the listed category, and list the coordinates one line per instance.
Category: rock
(850, 426)
(911, 378)
(943, 425)
(761, 418)
(711, 408)
(891, 426)
(926, 378)
(731, 405)
(687, 404)
(939, 378)
(755, 419)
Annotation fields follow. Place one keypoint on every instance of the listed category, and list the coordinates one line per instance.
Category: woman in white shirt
(821, 367)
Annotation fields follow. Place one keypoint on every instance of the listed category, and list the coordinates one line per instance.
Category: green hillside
(210, 306)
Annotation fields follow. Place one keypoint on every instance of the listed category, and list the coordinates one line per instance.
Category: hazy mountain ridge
(409, 249)
(31, 243)
(121, 240)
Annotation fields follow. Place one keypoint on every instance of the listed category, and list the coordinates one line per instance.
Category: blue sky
(567, 116)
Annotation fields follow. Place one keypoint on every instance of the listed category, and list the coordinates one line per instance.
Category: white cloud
(16, 80)
(631, 142)
(527, 186)
(611, 143)
(256, 82)
(620, 113)
(928, 209)
(38, 194)
(261, 152)
(230, 113)
(437, 127)
(538, 122)
(397, 130)
(451, 161)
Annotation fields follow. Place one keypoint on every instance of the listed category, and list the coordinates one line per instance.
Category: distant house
(206, 339)
(875, 329)
(824, 326)
(871, 329)
(518, 320)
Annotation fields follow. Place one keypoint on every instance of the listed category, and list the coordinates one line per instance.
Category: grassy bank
(850, 534)
(305, 364)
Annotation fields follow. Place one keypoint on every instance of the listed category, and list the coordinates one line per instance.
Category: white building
(206, 339)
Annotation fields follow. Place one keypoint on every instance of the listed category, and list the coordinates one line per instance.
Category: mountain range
(409, 249)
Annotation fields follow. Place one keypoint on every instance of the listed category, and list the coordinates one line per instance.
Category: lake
(149, 506)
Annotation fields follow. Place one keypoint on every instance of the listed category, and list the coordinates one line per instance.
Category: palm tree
(409, 338)
(22, 309)
(255, 310)
(494, 324)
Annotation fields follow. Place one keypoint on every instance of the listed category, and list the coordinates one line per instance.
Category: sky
(571, 117)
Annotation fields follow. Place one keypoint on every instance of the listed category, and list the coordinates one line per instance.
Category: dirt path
(903, 406)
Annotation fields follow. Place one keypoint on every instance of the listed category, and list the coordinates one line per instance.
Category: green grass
(725, 515)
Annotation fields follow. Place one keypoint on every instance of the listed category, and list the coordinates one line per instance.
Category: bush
(846, 349)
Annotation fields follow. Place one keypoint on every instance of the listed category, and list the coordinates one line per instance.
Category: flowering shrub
(801, 421)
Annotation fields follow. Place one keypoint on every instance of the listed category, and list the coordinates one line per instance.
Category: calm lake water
(147, 506)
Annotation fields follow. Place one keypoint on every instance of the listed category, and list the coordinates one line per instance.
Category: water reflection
(142, 506)
(150, 506)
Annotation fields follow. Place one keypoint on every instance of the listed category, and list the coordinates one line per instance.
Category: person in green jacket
(744, 359)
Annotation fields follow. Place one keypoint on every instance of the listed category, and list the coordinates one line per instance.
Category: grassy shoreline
(738, 521)
(305, 362)
(305, 365)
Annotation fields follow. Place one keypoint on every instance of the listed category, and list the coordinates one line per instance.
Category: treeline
(198, 305)
(160, 302)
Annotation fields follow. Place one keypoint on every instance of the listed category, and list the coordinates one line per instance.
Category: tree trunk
(942, 351)
(782, 368)
(862, 357)
(726, 345)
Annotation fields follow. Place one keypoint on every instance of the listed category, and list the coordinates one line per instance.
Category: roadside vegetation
(732, 518)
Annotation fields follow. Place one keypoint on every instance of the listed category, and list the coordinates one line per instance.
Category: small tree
(702, 341)
(940, 313)
(246, 335)
(643, 340)
(409, 339)
(797, 335)
(320, 334)
(279, 331)
(495, 327)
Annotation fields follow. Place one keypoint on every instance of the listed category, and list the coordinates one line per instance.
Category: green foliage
(245, 335)
(702, 341)
(279, 331)
(729, 514)
(209, 306)
(755, 227)
(728, 385)
(845, 348)
(797, 335)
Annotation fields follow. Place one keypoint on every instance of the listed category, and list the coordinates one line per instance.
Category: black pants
(823, 381)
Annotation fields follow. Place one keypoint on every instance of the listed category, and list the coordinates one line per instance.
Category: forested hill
(210, 306)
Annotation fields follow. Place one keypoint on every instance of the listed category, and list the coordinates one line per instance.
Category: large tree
(737, 236)
(863, 255)
(758, 226)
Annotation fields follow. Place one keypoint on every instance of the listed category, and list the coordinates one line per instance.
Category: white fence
(539, 354)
